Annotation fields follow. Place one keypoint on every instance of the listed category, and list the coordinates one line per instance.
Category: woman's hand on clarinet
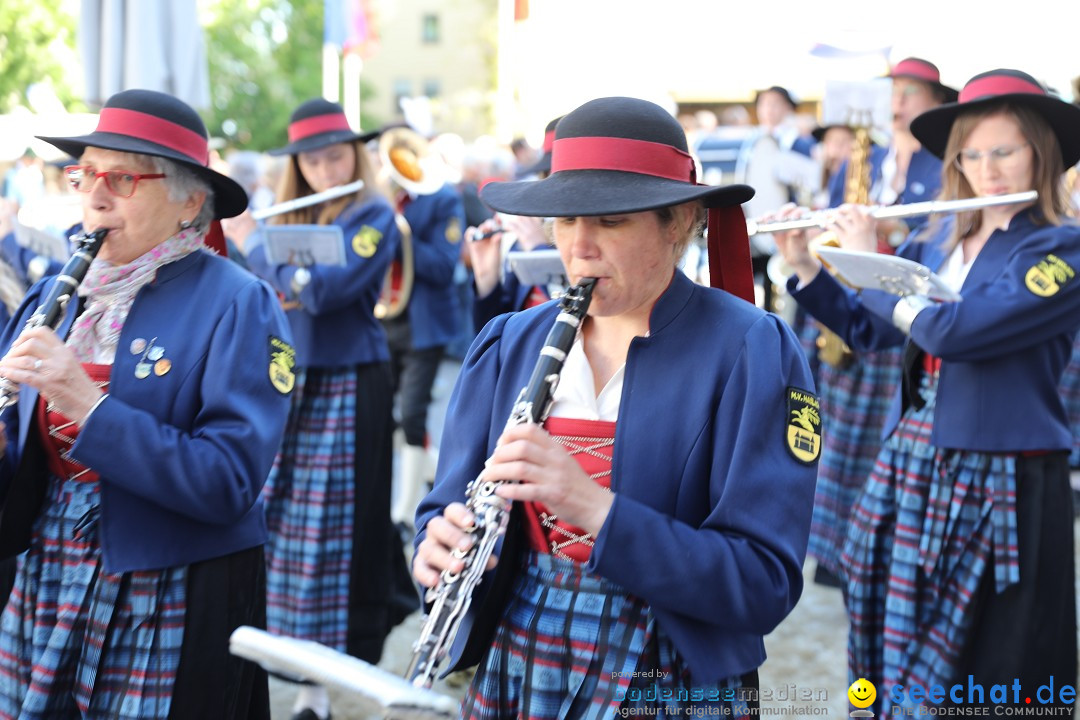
(547, 474)
(794, 245)
(39, 358)
(444, 533)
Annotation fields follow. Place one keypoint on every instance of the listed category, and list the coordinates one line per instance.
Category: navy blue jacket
(1003, 347)
(182, 455)
(438, 223)
(335, 325)
(711, 510)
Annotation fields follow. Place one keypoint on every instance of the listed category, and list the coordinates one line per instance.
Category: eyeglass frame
(136, 177)
(994, 153)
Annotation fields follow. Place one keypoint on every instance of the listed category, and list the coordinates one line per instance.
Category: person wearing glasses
(958, 557)
(145, 426)
(856, 387)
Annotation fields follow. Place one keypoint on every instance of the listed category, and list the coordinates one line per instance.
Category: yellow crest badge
(282, 362)
(803, 426)
(365, 241)
(1046, 277)
(453, 231)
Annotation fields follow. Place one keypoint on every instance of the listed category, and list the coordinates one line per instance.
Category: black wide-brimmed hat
(925, 71)
(621, 155)
(543, 165)
(318, 123)
(1001, 87)
(147, 122)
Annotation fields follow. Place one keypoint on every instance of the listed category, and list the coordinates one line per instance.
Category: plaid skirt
(77, 640)
(309, 499)
(1070, 394)
(854, 404)
(927, 528)
(573, 645)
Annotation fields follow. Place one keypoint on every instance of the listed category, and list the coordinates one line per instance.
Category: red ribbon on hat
(549, 140)
(132, 123)
(729, 263)
(316, 125)
(215, 239)
(998, 85)
(918, 69)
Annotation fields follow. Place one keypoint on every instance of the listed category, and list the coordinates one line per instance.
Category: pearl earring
(185, 224)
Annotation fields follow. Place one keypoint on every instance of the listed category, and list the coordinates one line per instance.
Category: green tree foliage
(265, 58)
(37, 41)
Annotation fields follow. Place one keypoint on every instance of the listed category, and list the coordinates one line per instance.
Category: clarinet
(451, 598)
(51, 309)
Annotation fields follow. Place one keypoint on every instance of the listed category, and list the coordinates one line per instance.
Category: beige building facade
(443, 50)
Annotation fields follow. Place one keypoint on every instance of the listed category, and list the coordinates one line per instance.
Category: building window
(430, 29)
(402, 89)
(432, 88)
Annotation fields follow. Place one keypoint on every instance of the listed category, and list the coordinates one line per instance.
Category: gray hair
(182, 183)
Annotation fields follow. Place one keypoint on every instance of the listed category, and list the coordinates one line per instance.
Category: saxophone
(832, 350)
(451, 598)
(49, 312)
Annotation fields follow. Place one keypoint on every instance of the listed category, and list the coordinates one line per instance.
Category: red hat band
(998, 85)
(623, 155)
(549, 140)
(316, 125)
(916, 69)
(132, 123)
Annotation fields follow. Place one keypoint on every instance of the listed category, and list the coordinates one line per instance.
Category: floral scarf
(109, 290)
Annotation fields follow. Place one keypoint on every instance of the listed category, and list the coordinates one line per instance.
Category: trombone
(823, 218)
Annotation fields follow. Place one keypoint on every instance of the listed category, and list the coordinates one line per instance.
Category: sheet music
(42, 243)
(537, 267)
(304, 245)
(875, 271)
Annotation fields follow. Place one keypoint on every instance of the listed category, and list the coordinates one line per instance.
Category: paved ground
(807, 656)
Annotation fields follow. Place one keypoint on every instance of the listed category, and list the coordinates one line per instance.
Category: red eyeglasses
(119, 182)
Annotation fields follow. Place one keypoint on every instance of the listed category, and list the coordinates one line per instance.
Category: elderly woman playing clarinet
(959, 560)
(661, 518)
(145, 427)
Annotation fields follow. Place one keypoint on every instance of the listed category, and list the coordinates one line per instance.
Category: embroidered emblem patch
(282, 362)
(453, 231)
(365, 241)
(1048, 275)
(804, 425)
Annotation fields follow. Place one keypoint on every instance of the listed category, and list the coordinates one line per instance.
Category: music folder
(304, 245)
(875, 271)
(43, 243)
(537, 267)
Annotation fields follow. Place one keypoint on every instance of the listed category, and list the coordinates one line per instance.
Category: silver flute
(450, 599)
(823, 218)
(51, 309)
(308, 200)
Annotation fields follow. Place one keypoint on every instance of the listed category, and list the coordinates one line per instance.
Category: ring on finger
(37, 363)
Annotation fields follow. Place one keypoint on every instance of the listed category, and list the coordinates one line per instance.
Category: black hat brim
(230, 199)
(321, 140)
(586, 193)
(932, 127)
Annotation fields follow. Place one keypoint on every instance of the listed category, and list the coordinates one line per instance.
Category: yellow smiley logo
(862, 693)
